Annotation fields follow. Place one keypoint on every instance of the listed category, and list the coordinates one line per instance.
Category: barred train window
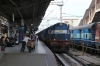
(86, 35)
(89, 30)
(83, 35)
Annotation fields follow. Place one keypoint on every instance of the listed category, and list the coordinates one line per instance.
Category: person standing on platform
(36, 37)
(3, 43)
(31, 36)
(25, 40)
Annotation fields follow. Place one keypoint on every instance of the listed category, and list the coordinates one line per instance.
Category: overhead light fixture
(31, 24)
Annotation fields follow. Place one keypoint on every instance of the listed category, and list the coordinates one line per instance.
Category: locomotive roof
(49, 27)
(82, 26)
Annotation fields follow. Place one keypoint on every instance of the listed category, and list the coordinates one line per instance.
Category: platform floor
(42, 56)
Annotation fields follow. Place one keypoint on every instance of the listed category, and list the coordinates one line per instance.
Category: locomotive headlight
(54, 39)
(66, 39)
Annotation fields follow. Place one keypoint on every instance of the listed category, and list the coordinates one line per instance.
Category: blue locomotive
(88, 34)
(56, 37)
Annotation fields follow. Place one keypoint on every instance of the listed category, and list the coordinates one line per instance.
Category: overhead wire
(59, 10)
(66, 2)
(63, 5)
(51, 12)
(71, 14)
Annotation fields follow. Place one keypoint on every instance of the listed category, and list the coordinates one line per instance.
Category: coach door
(97, 36)
(99, 31)
(80, 33)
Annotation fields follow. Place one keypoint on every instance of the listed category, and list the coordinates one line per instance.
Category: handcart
(31, 45)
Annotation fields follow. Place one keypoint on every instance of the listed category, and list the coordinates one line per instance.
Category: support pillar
(22, 22)
(0, 29)
(89, 15)
(21, 31)
(95, 5)
(8, 30)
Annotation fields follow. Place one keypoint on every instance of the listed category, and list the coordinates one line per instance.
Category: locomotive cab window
(67, 31)
(49, 31)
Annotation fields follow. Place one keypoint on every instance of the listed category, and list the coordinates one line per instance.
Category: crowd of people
(10, 42)
(29, 42)
(6, 42)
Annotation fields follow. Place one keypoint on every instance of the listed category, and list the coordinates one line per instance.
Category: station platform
(42, 56)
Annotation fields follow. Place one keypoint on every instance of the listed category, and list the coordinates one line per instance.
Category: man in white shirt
(25, 40)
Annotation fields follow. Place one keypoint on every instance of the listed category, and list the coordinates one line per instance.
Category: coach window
(71, 34)
(89, 30)
(86, 35)
(80, 32)
(89, 35)
(72, 31)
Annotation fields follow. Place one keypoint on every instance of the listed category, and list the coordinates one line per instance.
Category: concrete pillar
(14, 31)
(8, 30)
(89, 15)
(94, 10)
(84, 21)
(95, 4)
(0, 28)
(22, 22)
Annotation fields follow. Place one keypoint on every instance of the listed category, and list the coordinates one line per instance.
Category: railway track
(86, 59)
(69, 59)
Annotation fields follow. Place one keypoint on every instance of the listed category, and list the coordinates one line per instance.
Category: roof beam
(27, 6)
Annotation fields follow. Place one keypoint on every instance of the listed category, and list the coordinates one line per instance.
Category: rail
(71, 60)
(84, 64)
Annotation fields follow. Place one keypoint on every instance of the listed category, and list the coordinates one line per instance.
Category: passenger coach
(89, 34)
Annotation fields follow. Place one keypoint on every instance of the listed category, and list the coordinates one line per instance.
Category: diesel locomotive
(56, 37)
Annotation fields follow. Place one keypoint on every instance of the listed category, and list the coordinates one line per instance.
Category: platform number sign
(60, 31)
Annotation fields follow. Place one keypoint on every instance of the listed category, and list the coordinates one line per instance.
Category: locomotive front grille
(61, 37)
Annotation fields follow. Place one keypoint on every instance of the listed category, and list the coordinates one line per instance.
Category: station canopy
(31, 11)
